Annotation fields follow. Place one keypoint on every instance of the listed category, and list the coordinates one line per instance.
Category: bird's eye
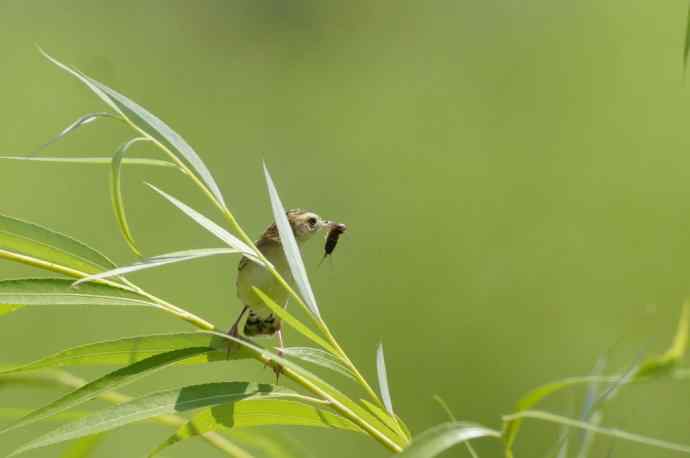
(312, 221)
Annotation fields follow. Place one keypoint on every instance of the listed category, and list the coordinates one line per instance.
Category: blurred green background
(515, 177)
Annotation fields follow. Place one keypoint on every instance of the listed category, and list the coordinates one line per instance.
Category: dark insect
(332, 239)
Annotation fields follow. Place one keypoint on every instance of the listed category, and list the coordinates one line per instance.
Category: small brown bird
(260, 321)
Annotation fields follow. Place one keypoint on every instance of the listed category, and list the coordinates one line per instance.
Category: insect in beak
(336, 230)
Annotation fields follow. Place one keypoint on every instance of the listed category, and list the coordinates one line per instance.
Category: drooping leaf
(213, 228)
(147, 123)
(132, 349)
(82, 121)
(319, 357)
(257, 413)
(15, 294)
(612, 432)
(290, 319)
(116, 192)
(290, 247)
(93, 160)
(156, 404)
(383, 379)
(53, 250)
(160, 130)
(156, 261)
(108, 382)
(444, 436)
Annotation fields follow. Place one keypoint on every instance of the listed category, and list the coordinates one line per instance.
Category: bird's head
(305, 223)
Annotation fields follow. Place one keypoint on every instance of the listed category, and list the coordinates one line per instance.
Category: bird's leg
(277, 368)
(233, 331)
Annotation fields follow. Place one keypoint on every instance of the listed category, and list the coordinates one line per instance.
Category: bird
(260, 320)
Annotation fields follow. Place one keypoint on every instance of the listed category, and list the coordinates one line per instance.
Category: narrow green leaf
(156, 404)
(116, 192)
(444, 406)
(612, 432)
(319, 357)
(213, 228)
(82, 121)
(383, 379)
(108, 382)
(15, 294)
(290, 247)
(132, 349)
(84, 447)
(156, 261)
(670, 359)
(253, 413)
(444, 436)
(84, 79)
(161, 131)
(451, 417)
(93, 160)
(24, 238)
(148, 123)
(290, 319)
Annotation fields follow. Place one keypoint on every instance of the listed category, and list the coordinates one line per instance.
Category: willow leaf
(108, 382)
(15, 294)
(93, 160)
(132, 349)
(116, 192)
(257, 413)
(290, 247)
(290, 319)
(148, 123)
(444, 436)
(157, 261)
(56, 251)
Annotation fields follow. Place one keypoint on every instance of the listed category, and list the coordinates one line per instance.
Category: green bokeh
(514, 176)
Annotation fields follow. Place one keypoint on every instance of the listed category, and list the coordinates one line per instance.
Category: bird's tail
(260, 326)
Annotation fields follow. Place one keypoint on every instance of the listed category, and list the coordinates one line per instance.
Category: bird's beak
(326, 224)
